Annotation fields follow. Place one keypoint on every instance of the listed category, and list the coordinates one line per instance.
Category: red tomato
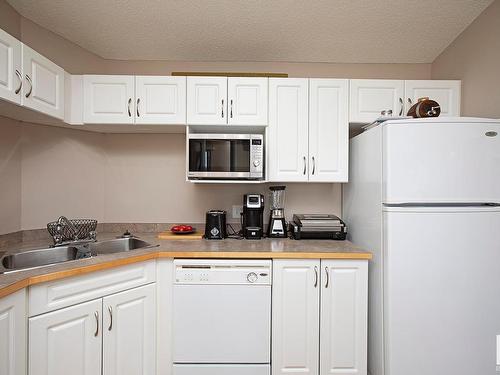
(182, 228)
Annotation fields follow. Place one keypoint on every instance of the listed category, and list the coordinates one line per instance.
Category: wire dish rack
(79, 229)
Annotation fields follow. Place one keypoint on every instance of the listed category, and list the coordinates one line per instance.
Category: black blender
(277, 223)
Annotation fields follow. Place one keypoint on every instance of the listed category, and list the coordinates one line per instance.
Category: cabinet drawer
(62, 293)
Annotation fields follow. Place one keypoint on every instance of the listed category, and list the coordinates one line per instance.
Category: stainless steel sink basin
(37, 258)
(44, 257)
(119, 245)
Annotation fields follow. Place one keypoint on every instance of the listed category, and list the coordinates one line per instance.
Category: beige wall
(138, 178)
(62, 174)
(474, 57)
(10, 176)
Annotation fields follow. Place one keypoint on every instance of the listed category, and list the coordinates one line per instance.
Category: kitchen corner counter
(229, 248)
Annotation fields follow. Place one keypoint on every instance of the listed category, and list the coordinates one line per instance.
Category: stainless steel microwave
(226, 156)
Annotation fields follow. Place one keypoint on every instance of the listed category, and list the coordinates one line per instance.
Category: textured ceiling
(348, 31)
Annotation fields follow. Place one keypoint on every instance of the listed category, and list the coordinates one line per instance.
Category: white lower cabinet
(67, 341)
(344, 307)
(129, 330)
(13, 334)
(110, 335)
(320, 317)
(295, 317)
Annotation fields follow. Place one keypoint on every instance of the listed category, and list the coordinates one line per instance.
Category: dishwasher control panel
(218, 271)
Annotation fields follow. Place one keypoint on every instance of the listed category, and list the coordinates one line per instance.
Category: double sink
(48, 256)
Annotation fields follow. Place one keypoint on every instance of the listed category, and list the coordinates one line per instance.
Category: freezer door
(442, 291)
(441, 162)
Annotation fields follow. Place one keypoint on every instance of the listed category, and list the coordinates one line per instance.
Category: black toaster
(215, 225)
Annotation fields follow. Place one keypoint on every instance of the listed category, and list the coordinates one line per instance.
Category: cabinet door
(370, 97)
(13, 334)
(160, 100)
(129, 325)
(67, 341)
(247, 100)
(207, 100)
(328, 130)
(43, 88)
(343, 332)
(288, 129)
(108, 99)
(446, 93)
(295, 316)
(10, 68)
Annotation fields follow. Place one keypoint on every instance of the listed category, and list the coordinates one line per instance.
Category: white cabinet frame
(11, 71)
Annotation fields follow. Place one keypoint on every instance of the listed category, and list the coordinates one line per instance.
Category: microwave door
(220, 155)
(240, 155)
(209, 157)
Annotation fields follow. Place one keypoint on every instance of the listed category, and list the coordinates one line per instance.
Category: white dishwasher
(222, 317)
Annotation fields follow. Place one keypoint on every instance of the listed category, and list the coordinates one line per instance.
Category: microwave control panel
(256, 155)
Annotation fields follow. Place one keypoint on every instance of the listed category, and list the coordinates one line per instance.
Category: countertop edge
(82, 270)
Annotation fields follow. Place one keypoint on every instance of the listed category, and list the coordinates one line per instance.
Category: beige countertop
(229, 248)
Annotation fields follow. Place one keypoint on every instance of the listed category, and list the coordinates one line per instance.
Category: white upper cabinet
(247, 100)
(328, 130)
(446, 93)
(43, 88)
(160, 100)
(308, 130)
(129, 332)
(11, 78)
(370, 97)
(67, 341)
(207, 100)
(344, 307)
(296, 286)
(13, 334)
(288, 129)
(108, 99)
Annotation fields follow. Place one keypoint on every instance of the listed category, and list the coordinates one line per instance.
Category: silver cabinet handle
(137, 107)
(129, 103)
(31, 86)
(231, 114)
(402, 106)
(96, 314)
(410, 102)
(110, 309)
(314, 165)
(315, 276)
(222, 108)
(327, 277)
(304, 172)
(18, 74)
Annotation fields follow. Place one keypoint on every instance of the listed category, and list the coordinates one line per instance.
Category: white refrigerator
(424, 195)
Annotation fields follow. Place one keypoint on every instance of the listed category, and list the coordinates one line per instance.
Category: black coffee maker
(253, 216)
